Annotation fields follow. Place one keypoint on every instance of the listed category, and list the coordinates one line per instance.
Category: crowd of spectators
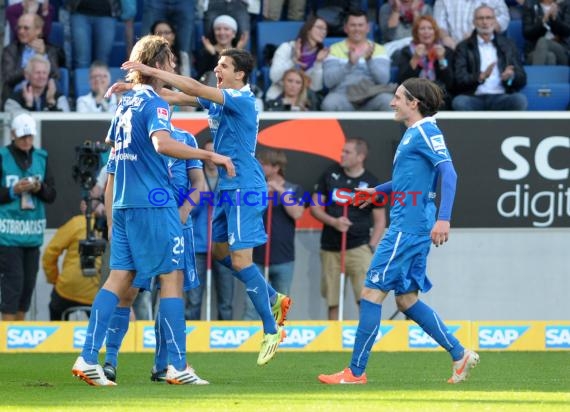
(346, 54)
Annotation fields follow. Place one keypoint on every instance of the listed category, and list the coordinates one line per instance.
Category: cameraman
(25, 185)
(71, 287)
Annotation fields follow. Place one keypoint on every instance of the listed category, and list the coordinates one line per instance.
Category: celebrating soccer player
(146, 236)
(234, 122)
(399, 263)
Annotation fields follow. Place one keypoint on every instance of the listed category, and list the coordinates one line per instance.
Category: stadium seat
(514, 32)
(63, 81)
(56, 35)
(394, 74)
(118, 54)
(547, 74)
(137, 29)
(547, 96)
(81, 81)
(275, 32)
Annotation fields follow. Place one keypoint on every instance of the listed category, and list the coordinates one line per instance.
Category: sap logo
(558, 337)
(28, 337)
(349, 335)
(79, 333)
(149, 337)
(418, 338)
(499, 337)
(230, 337)
(301, 336)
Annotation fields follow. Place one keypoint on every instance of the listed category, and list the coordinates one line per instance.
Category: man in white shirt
(488, 70)
(454, 17)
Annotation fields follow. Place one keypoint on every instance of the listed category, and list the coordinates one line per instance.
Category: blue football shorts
(147, 240)
(399, 264)
(238, 220)
(191, 280)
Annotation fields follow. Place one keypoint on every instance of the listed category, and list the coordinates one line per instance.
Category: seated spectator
(224, 36)
(356, 62)
(272, 9)
(164, 29)
(93, 30)
(71, 287)
(295, 94)
(396, 17)
(307, 52)
(427, 57)
(455, 18)
(234, 8)
(95, 101)
(39, 93)
(546, 28)
(29, 43)
(488, 69)
(44, 10)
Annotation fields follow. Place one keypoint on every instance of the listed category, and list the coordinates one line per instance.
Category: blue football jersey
(234, 126)
(139, 169)
(179, 167)
(414, 177)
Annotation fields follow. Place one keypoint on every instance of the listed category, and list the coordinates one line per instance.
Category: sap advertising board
(513, 169)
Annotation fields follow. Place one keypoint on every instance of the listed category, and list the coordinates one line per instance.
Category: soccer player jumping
(236, 229)
(399, 263)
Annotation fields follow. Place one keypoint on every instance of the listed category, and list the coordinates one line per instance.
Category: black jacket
(533, 27)
(467, 63)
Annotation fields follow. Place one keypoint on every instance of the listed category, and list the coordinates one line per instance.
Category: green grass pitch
(503, 381)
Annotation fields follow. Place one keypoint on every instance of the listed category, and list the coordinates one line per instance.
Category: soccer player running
(146, 233)
(236, 230)
(399, 263)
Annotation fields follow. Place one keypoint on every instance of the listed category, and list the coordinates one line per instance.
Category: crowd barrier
(309, 336)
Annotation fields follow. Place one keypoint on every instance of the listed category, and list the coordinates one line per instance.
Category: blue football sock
(256, 288)
(118, 327)
(432, 324)
(368, 326)
(227, 262)
(101, 312)
(174, 329)
(160, 352)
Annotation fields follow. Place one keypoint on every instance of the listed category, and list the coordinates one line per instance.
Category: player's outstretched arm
(177, 98)
(166, 145)
(171, 97)
(185, 84)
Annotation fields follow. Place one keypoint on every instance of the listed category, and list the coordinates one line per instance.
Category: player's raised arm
(187, 85)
